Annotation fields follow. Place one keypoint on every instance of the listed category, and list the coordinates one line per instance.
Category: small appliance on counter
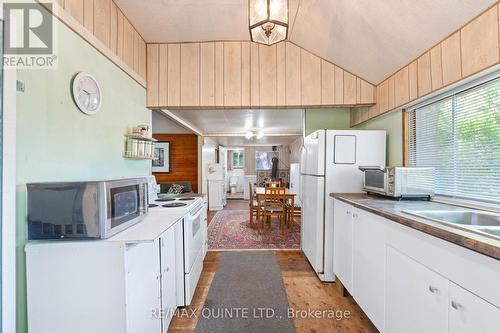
(399, 182)
(86, 209)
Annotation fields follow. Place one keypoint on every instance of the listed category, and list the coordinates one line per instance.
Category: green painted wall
(336, 118)
(56, 142)
(392, 123)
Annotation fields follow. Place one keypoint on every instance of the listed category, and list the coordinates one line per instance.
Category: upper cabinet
(468, 51)
(248, 75)
(102, 24)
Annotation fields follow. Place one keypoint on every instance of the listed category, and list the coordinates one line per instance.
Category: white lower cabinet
(104, 286)
(143, 301)
(416, 297)
(470, 313)
(342, 245)
(408, 281)
(368, 262)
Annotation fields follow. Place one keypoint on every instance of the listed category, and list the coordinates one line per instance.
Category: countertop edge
(455, 238)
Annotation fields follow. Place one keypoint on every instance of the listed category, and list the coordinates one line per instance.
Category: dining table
(260, 192)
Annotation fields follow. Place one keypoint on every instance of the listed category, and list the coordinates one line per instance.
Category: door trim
(8, 221)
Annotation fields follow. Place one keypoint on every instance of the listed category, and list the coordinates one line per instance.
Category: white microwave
(85, 210)
(399, 182)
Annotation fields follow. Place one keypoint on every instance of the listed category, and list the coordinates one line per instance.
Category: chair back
(274, 196)
(273, 183)
(275, 190)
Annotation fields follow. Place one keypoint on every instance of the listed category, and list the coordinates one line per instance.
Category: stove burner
(186, 199)
(165, 199)
(174, 204)
(152, 205)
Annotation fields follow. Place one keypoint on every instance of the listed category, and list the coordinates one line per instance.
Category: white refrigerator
(329, 163)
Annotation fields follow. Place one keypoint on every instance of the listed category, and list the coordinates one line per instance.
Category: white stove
(193, 239)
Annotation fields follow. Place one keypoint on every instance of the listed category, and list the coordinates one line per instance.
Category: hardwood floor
(304, 291)
(303, 288)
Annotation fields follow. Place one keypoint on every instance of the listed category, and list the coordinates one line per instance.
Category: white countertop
(153, 225)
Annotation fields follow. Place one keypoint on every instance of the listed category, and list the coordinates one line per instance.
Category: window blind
(459, 136)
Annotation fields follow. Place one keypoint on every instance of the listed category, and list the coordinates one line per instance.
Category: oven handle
(197, 211)
(368, 168)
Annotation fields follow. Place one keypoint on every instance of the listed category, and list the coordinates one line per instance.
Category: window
(264, 159)
(459, 136)
(238, 159)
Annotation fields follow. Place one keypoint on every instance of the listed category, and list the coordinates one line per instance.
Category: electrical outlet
(20, 86)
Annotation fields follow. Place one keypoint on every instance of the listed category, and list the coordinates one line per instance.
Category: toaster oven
(399, 182)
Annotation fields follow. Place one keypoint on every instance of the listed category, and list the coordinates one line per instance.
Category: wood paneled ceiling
(372, 39)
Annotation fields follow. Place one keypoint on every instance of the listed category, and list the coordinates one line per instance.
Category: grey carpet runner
(246, 295)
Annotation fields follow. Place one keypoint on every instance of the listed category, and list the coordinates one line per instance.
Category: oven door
(126, 204)
(193, 237)
(375, 180)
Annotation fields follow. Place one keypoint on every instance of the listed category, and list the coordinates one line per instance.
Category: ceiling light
(260, 135)
(249, 135)
(268, 21)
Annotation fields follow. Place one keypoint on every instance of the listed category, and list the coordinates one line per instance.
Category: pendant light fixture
(268, 21)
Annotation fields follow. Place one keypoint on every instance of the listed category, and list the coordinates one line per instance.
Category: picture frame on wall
(161, 163)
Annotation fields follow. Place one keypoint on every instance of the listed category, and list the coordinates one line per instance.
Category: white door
(168, 277)
(313, 158)
(313, 220)
(342, 250)
(368, 262)
(143, 288)
(470, 313)
(416, 297)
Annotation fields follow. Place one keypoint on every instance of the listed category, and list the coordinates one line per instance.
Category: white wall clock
(86, 93)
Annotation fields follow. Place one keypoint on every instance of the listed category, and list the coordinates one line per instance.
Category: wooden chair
(253, 205)
(273, 205)
(292, 210)
(270, 183)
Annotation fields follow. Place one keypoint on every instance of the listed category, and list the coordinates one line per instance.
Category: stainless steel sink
(480, 222)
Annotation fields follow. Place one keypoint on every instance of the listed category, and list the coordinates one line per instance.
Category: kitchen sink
(480, 222)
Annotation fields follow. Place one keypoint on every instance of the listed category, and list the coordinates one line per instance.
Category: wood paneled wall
(249, 75)
(183, 159)
(105, 27)
(468, 51)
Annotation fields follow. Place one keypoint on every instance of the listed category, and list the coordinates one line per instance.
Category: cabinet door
(369, 265)
(143, 288)
(470, 313)
(342, 243)
(416, 297)
(168, 276)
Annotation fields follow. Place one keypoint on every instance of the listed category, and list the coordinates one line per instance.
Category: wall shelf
(139, 147)
(140, 137)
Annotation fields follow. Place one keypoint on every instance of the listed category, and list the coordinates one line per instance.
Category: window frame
(241, 165)
(265, 151)
(452, 90)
